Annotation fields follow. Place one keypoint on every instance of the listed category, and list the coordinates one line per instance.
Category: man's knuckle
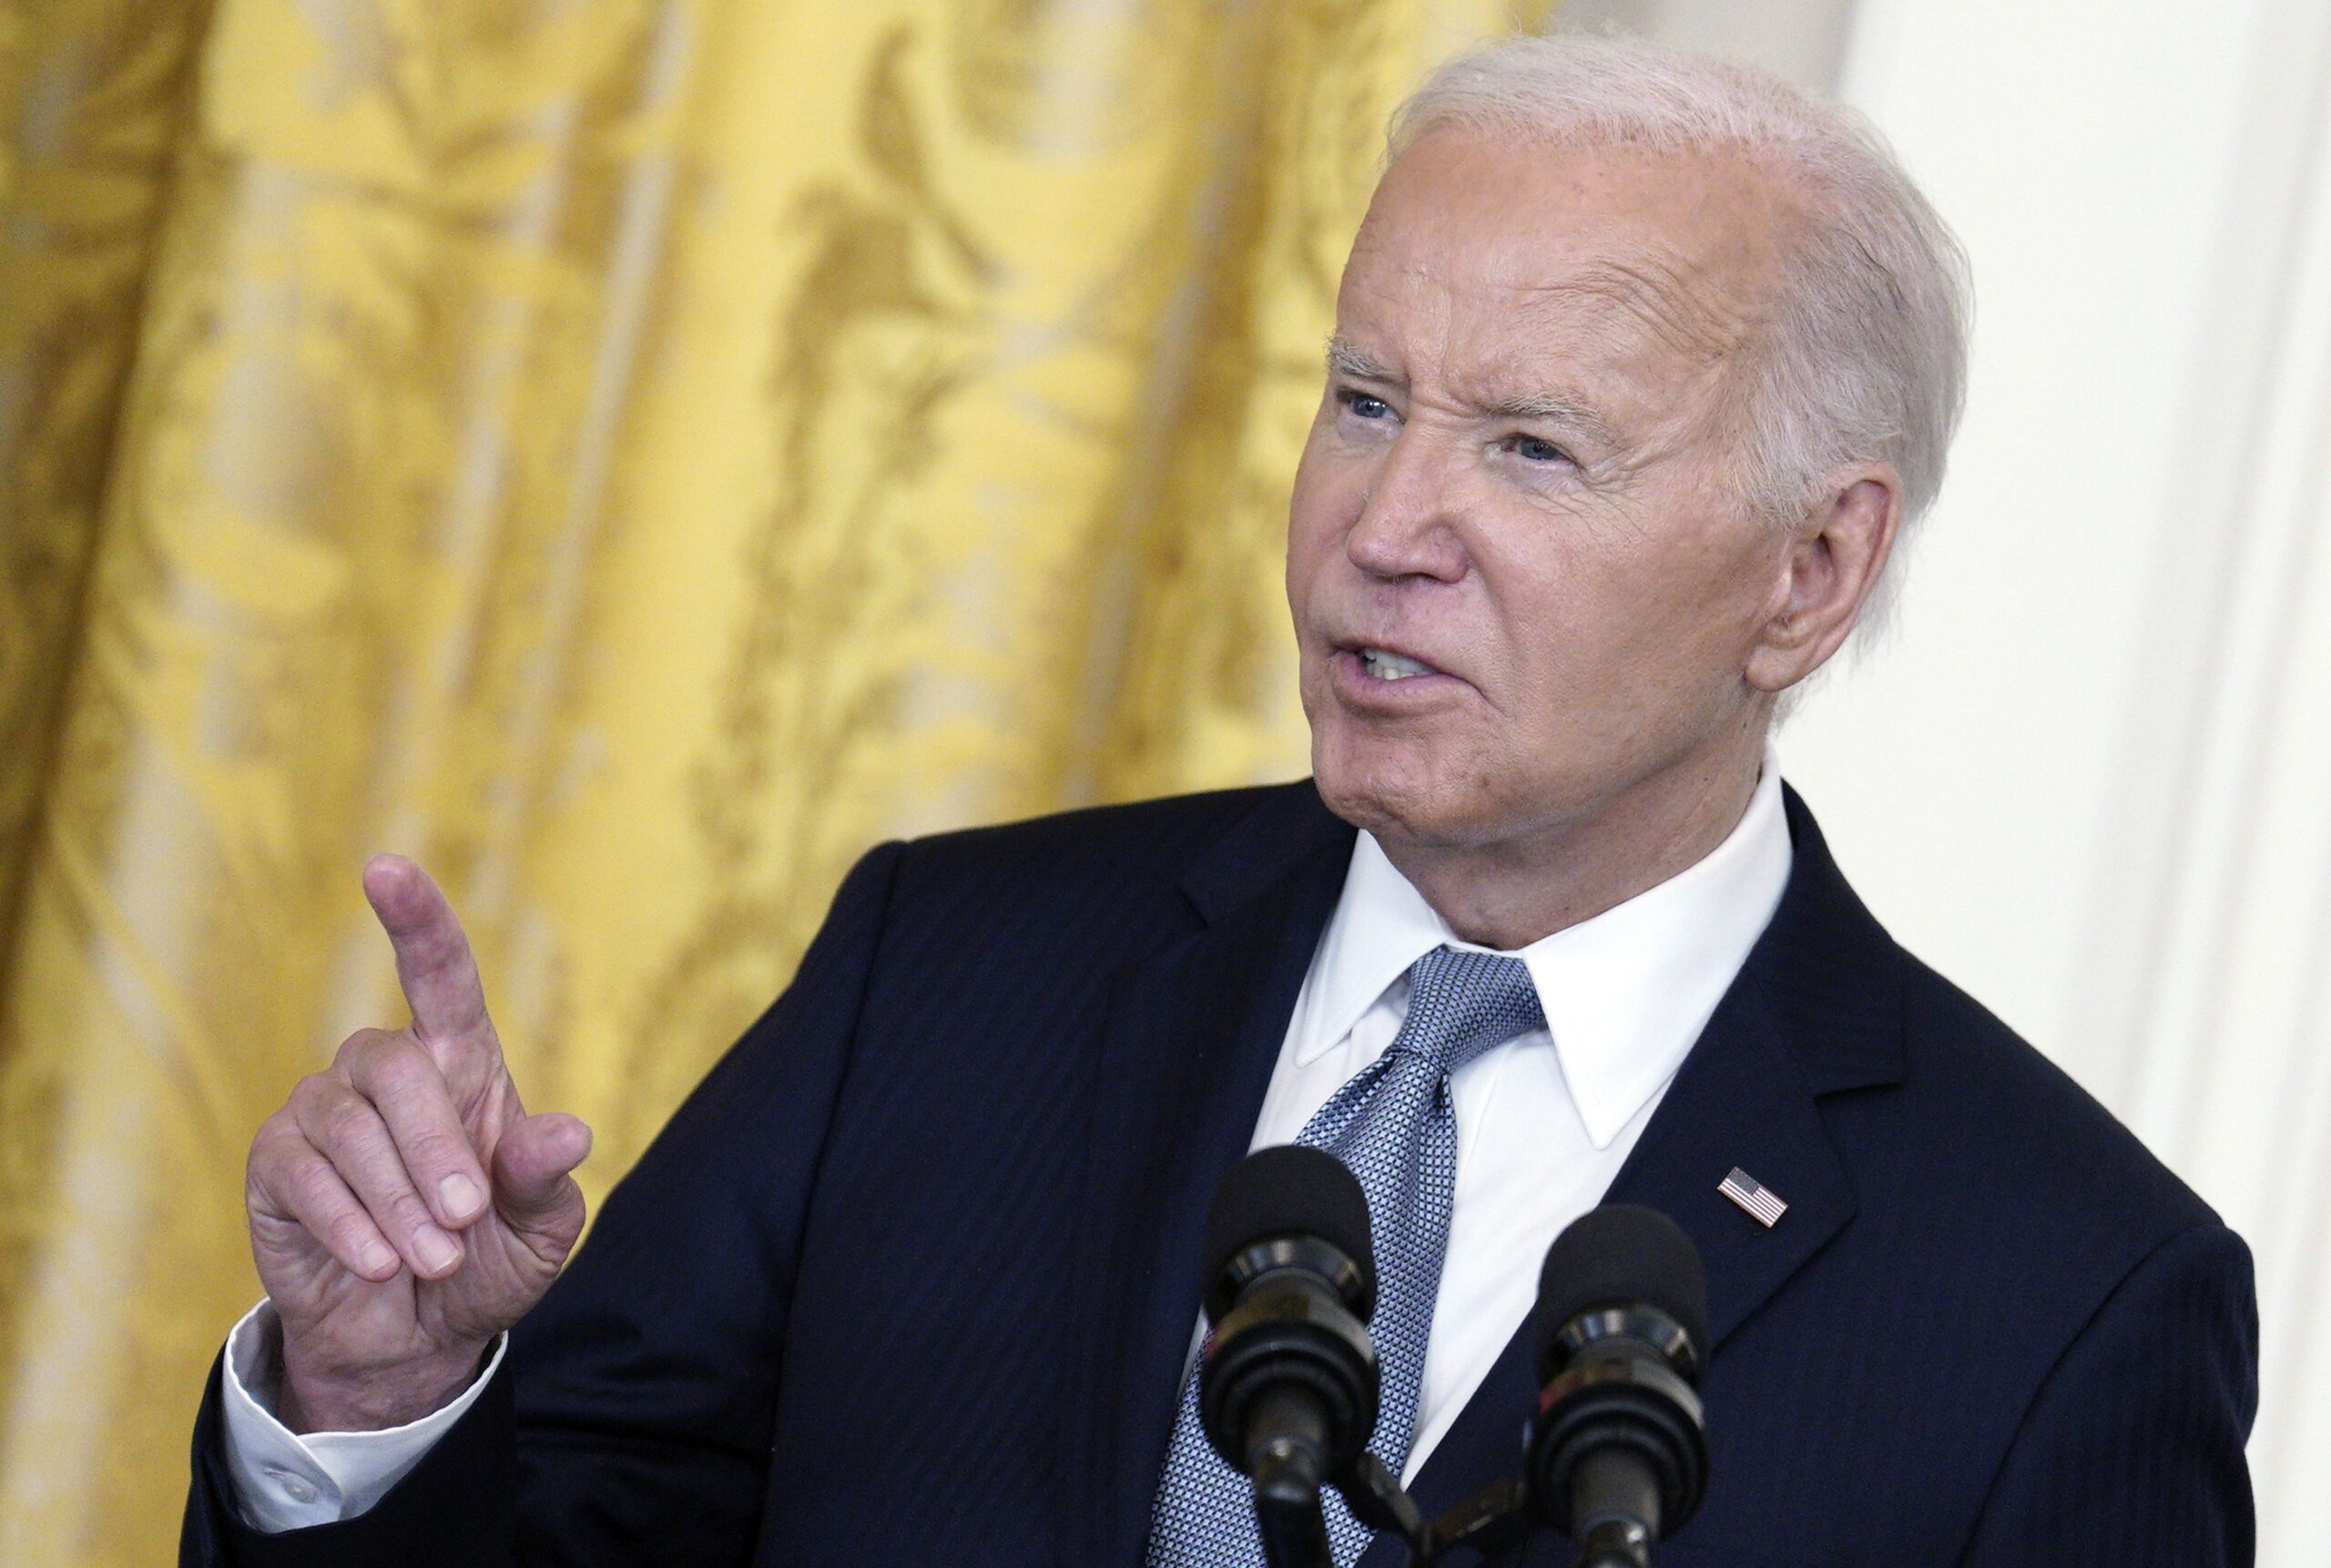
(405, 1072)
(272, 1141)
(439, 1152)
(348, 1122)
(308, 1094)
(315, 1189)
(357, 1048)
(409, 1214)
(311, 1106)
(348, 1233)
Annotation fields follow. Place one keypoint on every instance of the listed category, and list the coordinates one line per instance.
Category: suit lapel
(1816, 1009)
(1739, 1100)
(1185, 1059)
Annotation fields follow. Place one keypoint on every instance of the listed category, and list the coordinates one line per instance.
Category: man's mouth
(1381, 663)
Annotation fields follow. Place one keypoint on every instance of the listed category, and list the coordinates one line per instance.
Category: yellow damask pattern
(632, 455)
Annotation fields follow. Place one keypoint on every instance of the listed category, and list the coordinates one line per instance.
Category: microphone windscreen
(1290, 1190)
(1622, 1254)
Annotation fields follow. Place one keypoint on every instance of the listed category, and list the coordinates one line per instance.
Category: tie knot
(1461, 1003)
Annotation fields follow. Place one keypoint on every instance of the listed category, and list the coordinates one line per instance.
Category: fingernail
(437, 1251)
(461, 1195)
(375, 1258)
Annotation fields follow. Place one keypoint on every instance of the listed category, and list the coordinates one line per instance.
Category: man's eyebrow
(1552, 405)
(1346, 359)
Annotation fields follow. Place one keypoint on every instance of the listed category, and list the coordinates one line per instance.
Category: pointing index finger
(434, 964)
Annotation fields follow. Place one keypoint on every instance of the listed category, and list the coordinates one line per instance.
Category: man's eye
(1367, 407)
(1531, 449)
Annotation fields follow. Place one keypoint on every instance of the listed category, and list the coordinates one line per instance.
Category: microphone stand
(1377, 1499)
(1295, 1532)
(1493, 1521)
(1287, 1506)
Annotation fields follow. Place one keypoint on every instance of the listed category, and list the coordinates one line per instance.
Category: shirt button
(298, 1488)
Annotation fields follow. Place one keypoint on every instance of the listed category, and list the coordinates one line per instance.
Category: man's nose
(1407, 522)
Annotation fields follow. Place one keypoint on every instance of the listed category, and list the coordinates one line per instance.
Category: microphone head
(1622, 1255)
(1289, 1191)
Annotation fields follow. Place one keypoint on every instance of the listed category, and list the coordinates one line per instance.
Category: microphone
(1287, 1382)
(1618, 1451)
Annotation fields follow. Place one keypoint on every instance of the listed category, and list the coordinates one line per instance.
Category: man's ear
(1833, 564)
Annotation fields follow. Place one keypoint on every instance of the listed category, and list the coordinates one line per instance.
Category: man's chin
(1395, 808)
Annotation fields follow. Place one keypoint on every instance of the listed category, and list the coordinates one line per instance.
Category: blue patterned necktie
(1392, 1123)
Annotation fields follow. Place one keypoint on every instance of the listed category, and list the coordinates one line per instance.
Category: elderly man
(1641, 366)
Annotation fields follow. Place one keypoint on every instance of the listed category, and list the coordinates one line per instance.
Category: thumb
(533, 1189)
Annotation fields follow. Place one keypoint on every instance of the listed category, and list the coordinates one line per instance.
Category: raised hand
(404, 1209)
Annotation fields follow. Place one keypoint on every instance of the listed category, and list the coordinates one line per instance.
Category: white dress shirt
(1544, 1121)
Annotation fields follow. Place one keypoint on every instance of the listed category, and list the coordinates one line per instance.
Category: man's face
(1520, 480)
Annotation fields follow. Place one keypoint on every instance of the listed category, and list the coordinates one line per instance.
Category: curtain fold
(631, 455)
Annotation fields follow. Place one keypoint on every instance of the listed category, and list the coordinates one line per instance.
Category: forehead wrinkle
(1685, 310)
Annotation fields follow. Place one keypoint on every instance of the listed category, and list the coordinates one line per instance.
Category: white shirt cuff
(284, 1481)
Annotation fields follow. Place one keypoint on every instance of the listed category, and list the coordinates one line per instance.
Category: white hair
(1865, 358)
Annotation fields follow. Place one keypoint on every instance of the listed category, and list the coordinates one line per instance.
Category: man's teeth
(1386, 666)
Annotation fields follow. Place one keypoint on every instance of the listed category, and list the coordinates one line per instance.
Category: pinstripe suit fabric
(910, 1279)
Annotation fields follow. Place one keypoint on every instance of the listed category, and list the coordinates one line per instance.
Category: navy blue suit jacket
(909, 1279)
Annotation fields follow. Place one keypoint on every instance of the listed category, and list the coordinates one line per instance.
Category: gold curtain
(631, 455)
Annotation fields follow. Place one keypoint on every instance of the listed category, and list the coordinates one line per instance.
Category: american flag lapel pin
(1763, 1204)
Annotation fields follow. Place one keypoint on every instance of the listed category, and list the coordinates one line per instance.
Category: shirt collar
(1626, 993)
